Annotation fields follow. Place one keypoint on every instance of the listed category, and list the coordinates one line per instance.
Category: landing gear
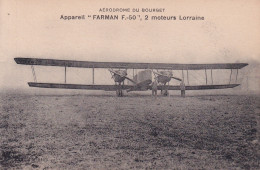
(164, 91)
(119, 91)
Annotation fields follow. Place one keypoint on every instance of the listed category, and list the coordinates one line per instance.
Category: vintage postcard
(129, 84)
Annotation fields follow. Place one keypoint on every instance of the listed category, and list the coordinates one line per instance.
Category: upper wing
(90, 64)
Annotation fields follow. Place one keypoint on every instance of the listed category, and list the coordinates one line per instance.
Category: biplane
(162, 73)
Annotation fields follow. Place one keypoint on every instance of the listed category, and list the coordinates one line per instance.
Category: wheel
(165, 93)
(118, 93)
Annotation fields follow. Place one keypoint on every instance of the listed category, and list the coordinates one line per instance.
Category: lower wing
(86, 87)
(198, 87)
(139, 87)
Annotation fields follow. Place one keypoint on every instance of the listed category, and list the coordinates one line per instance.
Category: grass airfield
(133, 132)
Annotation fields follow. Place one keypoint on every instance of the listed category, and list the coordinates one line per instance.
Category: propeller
(130, 80)
(176, 78)
(122, 75)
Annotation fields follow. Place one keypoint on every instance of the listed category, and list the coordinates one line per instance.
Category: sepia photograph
(148, 84)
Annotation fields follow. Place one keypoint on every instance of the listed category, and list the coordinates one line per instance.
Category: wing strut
(136, 75)
(182, 75)
(230, 76)
(93, 76)
(34, 75)
(211, 77)
(206, 76)
(65, 74)
(236, 75)
(188, 77)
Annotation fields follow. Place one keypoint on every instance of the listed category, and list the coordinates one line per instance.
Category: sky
(33, 28)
